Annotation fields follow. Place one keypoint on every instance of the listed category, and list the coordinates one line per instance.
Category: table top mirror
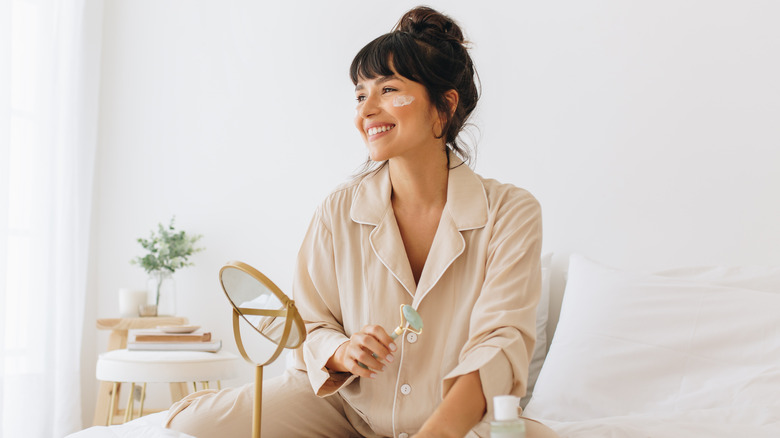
(258, 302)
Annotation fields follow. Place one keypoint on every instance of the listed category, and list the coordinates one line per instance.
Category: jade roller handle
(410, 320)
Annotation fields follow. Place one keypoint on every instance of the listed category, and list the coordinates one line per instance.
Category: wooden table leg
(104, 403)
(116, 340)
(130, 404)
(112, 404)
(143, 397)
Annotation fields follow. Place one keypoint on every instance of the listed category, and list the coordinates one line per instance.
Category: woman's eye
(360, 98)
(388, 89)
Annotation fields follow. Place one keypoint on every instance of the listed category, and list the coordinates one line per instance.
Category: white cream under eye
(402, 100)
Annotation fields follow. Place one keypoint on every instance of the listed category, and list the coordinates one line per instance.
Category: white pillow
(542, 315)
(763, 278)
(631, 343)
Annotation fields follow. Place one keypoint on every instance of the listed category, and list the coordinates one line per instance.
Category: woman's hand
(371, 346)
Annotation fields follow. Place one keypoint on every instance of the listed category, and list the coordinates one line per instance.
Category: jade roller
(410, 320)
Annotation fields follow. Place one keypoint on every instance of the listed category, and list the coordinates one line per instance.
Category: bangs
(378, 58)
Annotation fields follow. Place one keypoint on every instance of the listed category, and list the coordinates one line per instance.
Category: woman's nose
(369, 106)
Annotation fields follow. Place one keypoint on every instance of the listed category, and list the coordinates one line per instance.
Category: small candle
(129, 300)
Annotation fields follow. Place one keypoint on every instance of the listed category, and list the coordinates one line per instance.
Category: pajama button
(406, 389)
(411, 337)
(403, 435)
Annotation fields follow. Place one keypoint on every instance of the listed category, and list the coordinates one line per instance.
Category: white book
(211, 346)
(157, 335)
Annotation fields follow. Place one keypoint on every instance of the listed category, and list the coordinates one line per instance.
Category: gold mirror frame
(292, 320)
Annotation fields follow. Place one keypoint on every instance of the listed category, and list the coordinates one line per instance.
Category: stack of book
(155, 339)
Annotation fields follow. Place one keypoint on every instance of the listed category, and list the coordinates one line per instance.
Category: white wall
(648, 131)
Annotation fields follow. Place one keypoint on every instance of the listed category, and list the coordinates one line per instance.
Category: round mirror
(262, 304)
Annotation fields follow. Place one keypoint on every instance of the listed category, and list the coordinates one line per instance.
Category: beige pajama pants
(290, 409)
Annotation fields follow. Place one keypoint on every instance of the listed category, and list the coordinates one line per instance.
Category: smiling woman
(428, 49)
(419, 229)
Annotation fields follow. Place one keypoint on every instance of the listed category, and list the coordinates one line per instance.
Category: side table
(117, 340)
(144, 367)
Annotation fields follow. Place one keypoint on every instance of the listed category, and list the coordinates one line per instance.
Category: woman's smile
(377, 130)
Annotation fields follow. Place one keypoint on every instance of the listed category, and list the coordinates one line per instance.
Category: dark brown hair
(427, 47)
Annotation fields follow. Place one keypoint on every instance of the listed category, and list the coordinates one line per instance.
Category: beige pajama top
(477, 295)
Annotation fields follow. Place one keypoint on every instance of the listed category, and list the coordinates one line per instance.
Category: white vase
(162, 292)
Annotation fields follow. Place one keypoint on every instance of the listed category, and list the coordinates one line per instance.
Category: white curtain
(49, 66)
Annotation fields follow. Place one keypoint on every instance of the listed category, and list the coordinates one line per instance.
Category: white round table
(163, 366)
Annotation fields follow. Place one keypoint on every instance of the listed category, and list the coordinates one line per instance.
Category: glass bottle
(507, 423)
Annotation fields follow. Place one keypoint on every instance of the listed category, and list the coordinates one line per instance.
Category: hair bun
(427, 23)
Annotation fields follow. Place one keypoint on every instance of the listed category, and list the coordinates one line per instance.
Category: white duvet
(712, 423)
(148, 426)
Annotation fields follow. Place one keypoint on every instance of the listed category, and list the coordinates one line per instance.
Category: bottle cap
(505, 407)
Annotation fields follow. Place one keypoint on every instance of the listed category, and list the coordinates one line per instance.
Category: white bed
(148, 426)
(685, 353)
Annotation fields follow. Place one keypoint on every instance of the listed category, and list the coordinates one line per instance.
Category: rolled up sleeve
(502, 328)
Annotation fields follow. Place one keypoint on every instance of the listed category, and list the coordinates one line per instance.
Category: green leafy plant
(168, 250)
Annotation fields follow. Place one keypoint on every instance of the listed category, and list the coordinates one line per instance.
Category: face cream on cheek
(402, 100)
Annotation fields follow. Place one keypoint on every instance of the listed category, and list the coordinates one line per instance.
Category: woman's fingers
(364, 364)
(376, 342)
(368, 351)
(386, 342)
(363, 348)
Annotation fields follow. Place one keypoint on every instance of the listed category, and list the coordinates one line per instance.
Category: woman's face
(396, 118)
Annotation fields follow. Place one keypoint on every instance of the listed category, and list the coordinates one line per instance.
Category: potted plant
(168, 250)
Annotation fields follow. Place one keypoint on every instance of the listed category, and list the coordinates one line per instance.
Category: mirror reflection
(254, 294)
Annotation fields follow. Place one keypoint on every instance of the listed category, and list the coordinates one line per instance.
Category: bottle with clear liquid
(507, 423)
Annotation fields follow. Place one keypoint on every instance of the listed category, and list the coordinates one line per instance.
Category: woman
(421, 229)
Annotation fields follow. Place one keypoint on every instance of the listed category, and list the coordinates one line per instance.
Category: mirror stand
(257, 407)
(262, 305)
(285, 313)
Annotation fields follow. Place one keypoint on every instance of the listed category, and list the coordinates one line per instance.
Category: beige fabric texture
(290, 409)
(477, 295)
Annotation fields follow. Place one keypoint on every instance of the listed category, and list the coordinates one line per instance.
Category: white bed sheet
(148, 426)
(710, 423)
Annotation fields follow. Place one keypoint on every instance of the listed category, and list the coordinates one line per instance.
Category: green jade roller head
(410, 320)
